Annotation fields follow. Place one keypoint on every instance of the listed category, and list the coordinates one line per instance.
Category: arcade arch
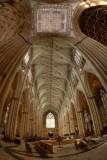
(50, 128)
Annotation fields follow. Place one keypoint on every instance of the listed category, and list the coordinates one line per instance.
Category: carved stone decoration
(51, 18)
(93, 23)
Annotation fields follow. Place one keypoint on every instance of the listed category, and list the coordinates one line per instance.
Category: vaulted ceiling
(51, 66)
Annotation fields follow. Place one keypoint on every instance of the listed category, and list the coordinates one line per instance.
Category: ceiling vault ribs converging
(51, 65)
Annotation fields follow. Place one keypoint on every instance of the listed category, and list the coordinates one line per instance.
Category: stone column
(72, 125)
(13, 112)
(35, 123)
(30, 128)
(97, 125)
(68, 127)
(25, 113)
(80, 120)
(95, 53)
(11, 53)
(64, 131)
(35, 128)
(24, 123)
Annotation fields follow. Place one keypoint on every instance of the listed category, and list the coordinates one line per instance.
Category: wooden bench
(47, 147)
(42, 152)
(28, 148)
(84, 145)
(92, 141)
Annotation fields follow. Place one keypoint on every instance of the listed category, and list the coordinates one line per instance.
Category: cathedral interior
(53, 79)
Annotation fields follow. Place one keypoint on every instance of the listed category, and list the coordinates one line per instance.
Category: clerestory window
(103, 95)
(26, 58)
(80, 61)
(74, 77)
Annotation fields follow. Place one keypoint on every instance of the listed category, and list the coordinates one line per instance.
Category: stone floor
(10, 151)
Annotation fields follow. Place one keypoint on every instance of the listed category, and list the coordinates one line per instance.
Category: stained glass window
(80, 61)
(77, 57)
(85, 116)
(50, 120)
(26, 58)
(103, 95)
(74, 77)
(30, 75)
(6, 116)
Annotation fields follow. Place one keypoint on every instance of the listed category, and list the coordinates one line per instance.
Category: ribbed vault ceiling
(51, 65)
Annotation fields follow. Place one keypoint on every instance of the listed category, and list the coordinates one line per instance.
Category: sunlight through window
(50, 121)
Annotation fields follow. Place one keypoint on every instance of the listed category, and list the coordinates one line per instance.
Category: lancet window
(80, 61)
(6, 115)
(85, 116)
(74, 77)
(26, 58)
(30, 75)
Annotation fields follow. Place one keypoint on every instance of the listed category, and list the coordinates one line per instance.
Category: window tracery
(80, 61)
(74, 77)
(6, 115)
(93, 23)
(103, 96)
(26, 58)
(30, 75)
(50, 120)
(85, 116)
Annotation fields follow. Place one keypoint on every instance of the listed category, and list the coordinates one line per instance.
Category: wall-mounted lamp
(23, 67)
(28, 86)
